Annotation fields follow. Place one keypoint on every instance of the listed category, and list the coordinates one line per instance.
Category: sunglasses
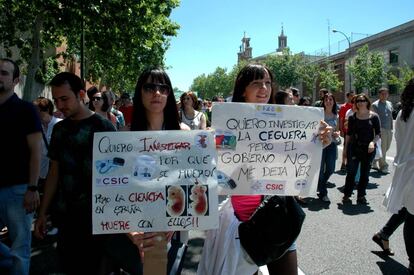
(96, 98)
(152, 88)
(361, 100)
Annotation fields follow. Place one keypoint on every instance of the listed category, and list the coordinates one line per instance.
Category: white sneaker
(325, 199)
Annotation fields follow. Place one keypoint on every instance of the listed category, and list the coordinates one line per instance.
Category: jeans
(327, 168)
(351, 170)
(393, 223)
(18, 222)
(6, 260)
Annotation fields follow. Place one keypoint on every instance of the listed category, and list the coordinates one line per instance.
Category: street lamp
(349, 53)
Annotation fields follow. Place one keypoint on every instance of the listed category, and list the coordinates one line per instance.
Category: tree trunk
(34, 64)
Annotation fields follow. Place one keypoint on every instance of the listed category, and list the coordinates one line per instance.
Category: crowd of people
(53, 153)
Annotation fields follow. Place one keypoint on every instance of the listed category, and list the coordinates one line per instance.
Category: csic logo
(275, 186)
(270, 186)
(113, 181)
(269, 110)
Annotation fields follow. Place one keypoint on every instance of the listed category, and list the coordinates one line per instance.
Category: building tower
(282, 41)
(245, 49)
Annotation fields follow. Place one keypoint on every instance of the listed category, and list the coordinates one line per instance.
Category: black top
(18, 119)
(71, 146)
(363, 130)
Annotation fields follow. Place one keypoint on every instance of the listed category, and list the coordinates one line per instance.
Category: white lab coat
(222, 253)
(401, 192)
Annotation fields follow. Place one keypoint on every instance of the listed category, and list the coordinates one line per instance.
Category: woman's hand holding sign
(145, 241)
(325, 133)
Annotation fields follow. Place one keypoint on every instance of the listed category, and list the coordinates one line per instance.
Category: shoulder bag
(272, 229)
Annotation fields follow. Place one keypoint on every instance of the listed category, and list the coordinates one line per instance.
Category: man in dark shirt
(19, 168)
(70, 176)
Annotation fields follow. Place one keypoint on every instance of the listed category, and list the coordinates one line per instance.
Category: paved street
(335, 239)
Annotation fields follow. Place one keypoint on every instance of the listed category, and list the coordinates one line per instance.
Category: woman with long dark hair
(363, 133)
(329, 153)
(154, 110)
(254, 84)
(99, 103)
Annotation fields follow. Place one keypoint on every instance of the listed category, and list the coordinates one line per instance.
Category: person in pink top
(254, 85)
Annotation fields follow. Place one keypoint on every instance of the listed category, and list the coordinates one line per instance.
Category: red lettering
(148, 196)
(274, 186)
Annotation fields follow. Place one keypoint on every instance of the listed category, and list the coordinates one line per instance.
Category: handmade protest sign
(267, 149)
(154, 181)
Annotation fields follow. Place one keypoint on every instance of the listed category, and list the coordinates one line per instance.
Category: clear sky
(211, 30)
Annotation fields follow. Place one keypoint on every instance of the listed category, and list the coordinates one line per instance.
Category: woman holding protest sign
(254, 84)
(154, 110)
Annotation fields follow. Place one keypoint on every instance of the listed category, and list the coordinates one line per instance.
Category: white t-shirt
(44, 160)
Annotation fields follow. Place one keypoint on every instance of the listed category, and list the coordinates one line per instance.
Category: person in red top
(126, 108)
(342, 111)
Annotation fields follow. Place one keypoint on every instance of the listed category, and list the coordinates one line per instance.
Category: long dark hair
(334, 107)
(139, 117)
(407, 100)
(247, 74)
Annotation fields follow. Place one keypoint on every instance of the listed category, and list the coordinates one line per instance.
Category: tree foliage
(309, 73)
(400, 77)
(121, 36)
(217, 83)
(329, 79)
(368, 70)
(285, 68)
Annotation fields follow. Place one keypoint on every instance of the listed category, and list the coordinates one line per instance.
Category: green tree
(285, 68)
(199, 85)
(376, 72)
(235, 71)
(309, 73)
(217, 83)
(122, 36)
(368, 70)
(400, 77)
(329, 79)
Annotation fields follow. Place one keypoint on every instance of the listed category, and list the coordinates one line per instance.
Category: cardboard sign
(154, 181)
(267, 149)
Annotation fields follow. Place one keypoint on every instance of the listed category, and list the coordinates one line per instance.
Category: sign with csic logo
(153, 181)
(267, 149)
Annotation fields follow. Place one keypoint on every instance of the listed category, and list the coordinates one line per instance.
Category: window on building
(393, 56)
(338, 67)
